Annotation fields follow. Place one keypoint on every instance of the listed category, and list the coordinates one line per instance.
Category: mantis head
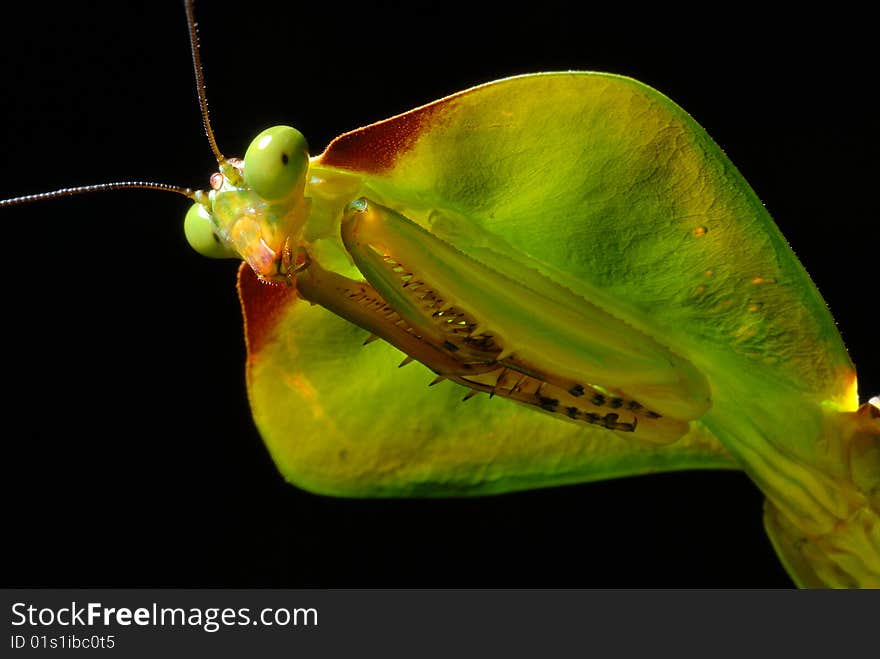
(256, 207)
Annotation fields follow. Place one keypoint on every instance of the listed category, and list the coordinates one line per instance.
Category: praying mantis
(98, 270)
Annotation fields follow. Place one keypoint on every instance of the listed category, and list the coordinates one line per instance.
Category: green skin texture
(582, 187)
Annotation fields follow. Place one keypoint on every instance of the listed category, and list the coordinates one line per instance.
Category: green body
(596, 235)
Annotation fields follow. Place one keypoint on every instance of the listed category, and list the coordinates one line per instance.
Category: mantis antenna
(98, 187)
(200, 80)
(148, 185)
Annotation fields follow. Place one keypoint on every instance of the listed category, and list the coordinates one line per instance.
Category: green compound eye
(200, 235)
(276, 162)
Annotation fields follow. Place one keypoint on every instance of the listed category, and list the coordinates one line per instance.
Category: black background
(130, 455)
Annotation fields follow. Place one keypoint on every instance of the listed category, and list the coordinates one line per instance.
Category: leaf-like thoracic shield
(591, 184)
